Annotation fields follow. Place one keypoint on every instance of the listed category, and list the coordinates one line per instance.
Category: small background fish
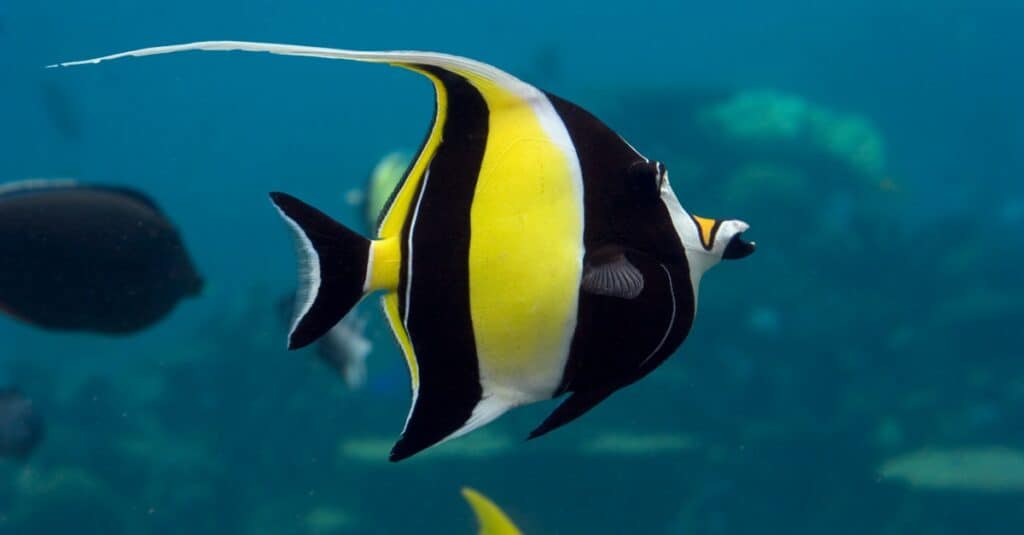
(343, 349)
(895, 311)
(21, 425)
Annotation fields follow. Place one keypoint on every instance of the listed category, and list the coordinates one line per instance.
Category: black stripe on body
(437, 311)
(614, 337)
(618, 341)
(614, 213)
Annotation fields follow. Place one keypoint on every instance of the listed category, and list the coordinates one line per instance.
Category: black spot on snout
(738, 248)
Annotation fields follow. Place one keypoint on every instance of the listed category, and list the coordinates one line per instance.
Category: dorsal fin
(488, 79)
(471, 69)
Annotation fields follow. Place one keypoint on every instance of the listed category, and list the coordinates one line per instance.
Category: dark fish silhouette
(21, 427)
(89, 258)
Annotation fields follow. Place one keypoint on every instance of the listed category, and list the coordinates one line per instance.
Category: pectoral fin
(613, 276)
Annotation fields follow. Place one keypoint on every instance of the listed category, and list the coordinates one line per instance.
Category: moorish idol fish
(89, 258)
(490, 518)
(529, 252)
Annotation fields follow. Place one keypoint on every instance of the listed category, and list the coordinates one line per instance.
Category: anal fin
(573, 407)
(439, 418)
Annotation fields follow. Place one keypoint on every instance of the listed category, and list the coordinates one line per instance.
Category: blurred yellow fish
(490, 517)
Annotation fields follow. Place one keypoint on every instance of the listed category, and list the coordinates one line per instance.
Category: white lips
(732, 227)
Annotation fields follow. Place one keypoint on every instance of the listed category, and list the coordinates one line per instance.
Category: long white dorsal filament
(457, 64)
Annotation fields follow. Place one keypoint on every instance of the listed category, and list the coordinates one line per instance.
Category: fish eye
(645, 178)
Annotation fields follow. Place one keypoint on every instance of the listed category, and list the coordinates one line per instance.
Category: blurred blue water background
(862, 373)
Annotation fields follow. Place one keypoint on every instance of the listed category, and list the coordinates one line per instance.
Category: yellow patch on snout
(707, 230)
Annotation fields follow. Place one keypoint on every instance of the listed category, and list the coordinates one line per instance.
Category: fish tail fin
(333, 264)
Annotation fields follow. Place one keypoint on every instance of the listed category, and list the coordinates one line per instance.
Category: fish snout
(736, 247)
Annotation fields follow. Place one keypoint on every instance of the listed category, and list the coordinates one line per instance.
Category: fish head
(710, 241)
(726, 235)
(702, 241)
